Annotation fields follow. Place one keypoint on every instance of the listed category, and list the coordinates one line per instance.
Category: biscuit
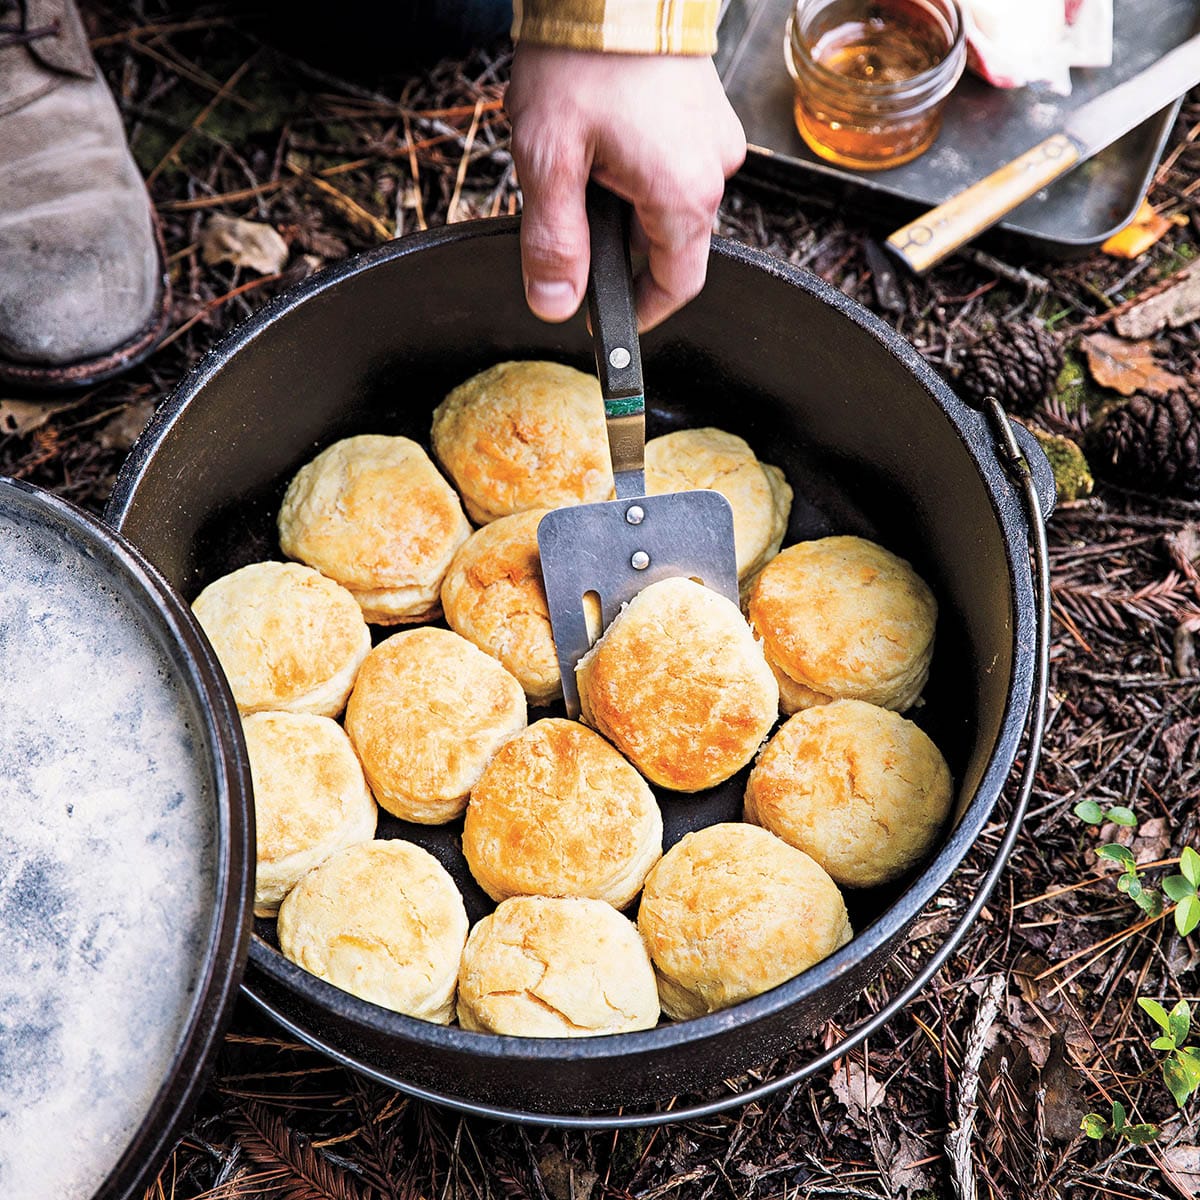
(857, 787)
(373, 513)
(558, 812)
(843, 618)
(759, 495)
(731, 911)
(524, 435)
(494, 597)
(545, 967)
(310, 799)
(680, 686)
(288, 638)
(383, 921)
(427, 713)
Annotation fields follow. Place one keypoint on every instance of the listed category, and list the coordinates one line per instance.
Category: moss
(1072, 475)
(1077, 391)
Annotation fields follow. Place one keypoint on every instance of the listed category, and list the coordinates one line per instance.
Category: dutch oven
(873, 444)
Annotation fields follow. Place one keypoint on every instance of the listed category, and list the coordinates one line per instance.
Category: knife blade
(925, 241)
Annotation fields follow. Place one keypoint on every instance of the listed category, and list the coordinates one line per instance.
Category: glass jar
(871, 77)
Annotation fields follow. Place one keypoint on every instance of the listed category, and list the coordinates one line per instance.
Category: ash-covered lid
(122, 919)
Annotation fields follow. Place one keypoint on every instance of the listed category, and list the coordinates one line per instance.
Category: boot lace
(12, 26)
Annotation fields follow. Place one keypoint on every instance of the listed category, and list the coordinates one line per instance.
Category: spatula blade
(616, 548)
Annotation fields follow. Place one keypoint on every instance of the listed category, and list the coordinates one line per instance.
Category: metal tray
(984, 127)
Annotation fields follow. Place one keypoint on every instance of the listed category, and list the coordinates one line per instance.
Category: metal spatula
(615, 549)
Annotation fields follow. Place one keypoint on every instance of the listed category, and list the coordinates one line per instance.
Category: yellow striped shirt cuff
(619, 26)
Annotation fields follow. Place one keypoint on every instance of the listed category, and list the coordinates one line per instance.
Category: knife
(1098, 123)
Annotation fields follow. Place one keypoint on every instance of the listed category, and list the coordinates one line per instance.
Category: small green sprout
(1181, 1066)
(1182, 889)
(1093, 814)
(1129, 882)
(1096, 1127)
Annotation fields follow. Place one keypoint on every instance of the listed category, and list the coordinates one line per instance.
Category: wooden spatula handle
(927, 240)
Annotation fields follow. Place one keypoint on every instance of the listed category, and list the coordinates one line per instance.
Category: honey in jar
(871, 78)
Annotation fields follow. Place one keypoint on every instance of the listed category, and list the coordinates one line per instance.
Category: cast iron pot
(873, 444)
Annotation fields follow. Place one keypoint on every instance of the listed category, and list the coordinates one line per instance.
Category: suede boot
(83, 292)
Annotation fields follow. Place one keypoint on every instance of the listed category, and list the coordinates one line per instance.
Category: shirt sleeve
(619, 26)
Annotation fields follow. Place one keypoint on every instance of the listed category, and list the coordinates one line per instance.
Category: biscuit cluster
(560, 826)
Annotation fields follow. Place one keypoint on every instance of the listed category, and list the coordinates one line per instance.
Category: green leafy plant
(1181, 1066)
(1093, 814)
(1096, 1127)
(1129, 881)
(1182, 889)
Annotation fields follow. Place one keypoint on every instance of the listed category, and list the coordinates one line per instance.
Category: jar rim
(945, 72)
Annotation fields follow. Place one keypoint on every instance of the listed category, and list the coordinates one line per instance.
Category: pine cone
(1017, 362)
(1152, 444)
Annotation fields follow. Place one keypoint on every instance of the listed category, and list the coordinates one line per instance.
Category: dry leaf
(123, 430)
(565, 1179)
(1064, 1103)
(1184, 1164)
(1146, 228)
(1127, 367)
(249, 244)
(20, 417)
(1152, 841)
(856, 1089)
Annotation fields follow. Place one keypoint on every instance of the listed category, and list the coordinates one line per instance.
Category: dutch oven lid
(126, 861)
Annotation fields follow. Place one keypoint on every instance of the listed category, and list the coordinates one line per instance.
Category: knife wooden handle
(932, 236)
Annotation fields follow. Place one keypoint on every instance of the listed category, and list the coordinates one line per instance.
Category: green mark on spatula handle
(625, 406)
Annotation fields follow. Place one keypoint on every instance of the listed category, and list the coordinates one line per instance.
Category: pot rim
(968, 425)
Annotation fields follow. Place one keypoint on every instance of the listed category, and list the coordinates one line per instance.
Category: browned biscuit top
(680, 686)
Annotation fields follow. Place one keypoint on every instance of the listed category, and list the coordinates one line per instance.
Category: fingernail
(553, 299)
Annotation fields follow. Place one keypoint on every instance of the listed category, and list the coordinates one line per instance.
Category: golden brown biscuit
(558, 812)
(427, 713)
(732, 911)
(494, 597)
(759, 495)
(524, 435)
(543, 967)
(373, 513)
(679, 685)
(310, 799)
(383, 921)
(843, 618)
(288, 638)
(857, 787)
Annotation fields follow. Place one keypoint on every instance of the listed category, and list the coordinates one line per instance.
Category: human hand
(656, 129)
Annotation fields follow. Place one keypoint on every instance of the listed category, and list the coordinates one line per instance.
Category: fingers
(554, 229)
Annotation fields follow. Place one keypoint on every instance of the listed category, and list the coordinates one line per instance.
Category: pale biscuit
(857, 787)
(310, 799)
(680, 686)
(759, 495)
(383, 921)
(843, 618)
(558, 812)
(731, 911)
(374, 513)
(427, 713)
(493, 595)
(524, 435)
(544, 967)
(288, 638)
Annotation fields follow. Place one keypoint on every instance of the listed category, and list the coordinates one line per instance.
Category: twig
(199, 120)
(958, 1138)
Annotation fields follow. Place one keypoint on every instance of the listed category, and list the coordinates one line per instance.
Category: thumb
(554, 233)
